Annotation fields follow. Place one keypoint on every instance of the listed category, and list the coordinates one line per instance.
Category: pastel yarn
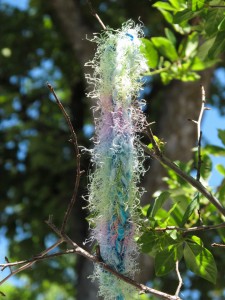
(113, 193)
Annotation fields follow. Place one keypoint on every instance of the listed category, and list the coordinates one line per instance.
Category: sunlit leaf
(159, 201)
(163, 5)
(196, 4)
(221, 169)
(200, 260)
(165, 260)
(194, 204)
(165, 47)
(221, 135)
(215, 150)
(170, 35)
(150, 53)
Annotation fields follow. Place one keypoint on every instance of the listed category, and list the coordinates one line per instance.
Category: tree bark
(75, 29)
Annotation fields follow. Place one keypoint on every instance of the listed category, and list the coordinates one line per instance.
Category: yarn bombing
(113, 193)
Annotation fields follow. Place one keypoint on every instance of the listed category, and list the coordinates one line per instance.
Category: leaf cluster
(193, 42)
(167, 224)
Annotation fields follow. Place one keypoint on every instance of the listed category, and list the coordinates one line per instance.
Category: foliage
(37, 170)
(181, 53)
(166, 223)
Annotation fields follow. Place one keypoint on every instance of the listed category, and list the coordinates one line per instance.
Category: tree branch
(179, 279)
(199, 132)
(77, 154)
(36, 259)
(95, 259)
(196, 184)
(191, 229)
(29, 264)
(218, 245)
(93, 12)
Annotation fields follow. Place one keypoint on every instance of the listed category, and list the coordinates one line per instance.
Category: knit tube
(114, 195)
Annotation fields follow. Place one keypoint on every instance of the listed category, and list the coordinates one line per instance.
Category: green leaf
(221, 169)
(159, 201)
(148, 241)
(153, 243)
(150, 53)
(221, 190)
(198, 64)
(145, 209)
(197, 4)
(167, 15)
(221, 26)
(163, 5)
(200, 260)
(182, 16)
(205, 47)
(194, 204)
(192, 44)
(170, 35)
(165, 47)
(221, 135)
(165, 260)
(47, 22)
(178, 4)
(215, 150)
(214, 18)
(206, 166)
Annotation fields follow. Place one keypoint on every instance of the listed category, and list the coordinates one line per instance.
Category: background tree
(46, 42)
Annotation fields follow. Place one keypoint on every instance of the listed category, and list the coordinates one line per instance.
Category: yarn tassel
(114, 195)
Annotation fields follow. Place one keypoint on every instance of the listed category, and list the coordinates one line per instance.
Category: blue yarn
(130, 36)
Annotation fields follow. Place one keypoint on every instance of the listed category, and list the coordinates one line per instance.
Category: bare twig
(93, 12)
(77, 154)
(8, 262)
(196, 184)
(29, 264)
(179, 279)
(36, 259)
(218, 245)
(199, 132)
(191, 229)
(80, 251)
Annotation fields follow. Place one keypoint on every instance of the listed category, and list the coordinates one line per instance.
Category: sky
(211, 123)
(21, 4)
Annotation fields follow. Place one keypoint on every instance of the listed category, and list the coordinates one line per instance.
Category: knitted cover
(114, 195)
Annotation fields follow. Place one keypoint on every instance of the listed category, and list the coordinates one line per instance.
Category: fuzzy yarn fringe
(113, 193)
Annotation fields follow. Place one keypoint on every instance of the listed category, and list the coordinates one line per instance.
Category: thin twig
(8, 262)
(93, 12)
(191, 229)
(196, 184)
(80, 251)
(36, 259)
(29, 264)
(199, 132)
(218, 245)
(77, 154)
(179, 279)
